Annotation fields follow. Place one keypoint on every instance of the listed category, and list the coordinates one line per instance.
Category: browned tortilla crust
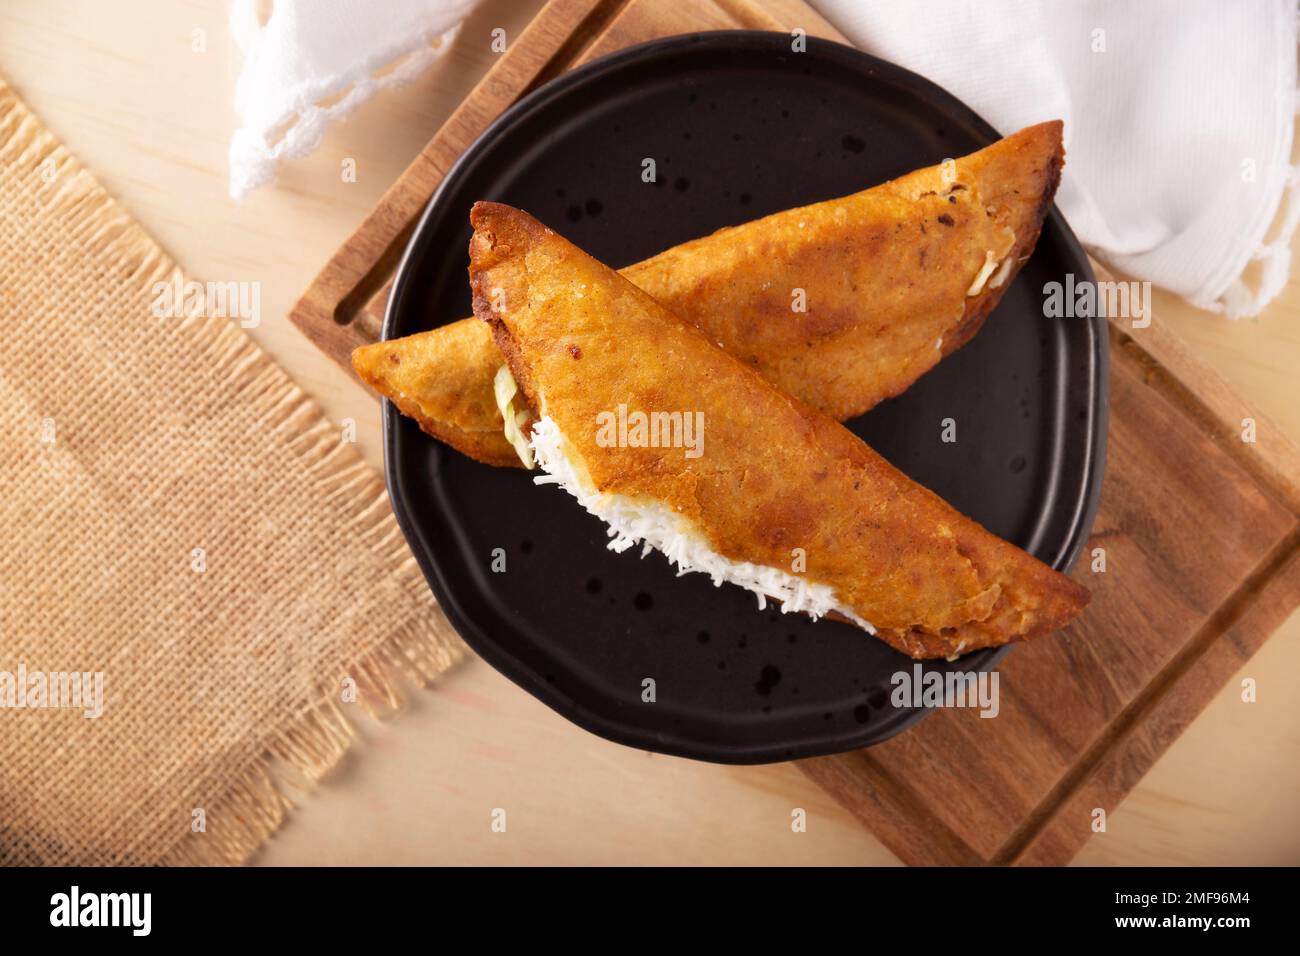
(884, 275)
(443, 379)
(775, 474)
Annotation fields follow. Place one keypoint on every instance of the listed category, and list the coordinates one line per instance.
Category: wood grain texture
(122, 87)
(1199, 529)
(1200, 570)
(343, 307)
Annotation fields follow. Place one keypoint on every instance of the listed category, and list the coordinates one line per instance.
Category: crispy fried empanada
(738, 478)
(889, 280)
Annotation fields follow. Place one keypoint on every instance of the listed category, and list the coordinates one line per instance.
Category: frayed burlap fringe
(256, 804)
(74, 252)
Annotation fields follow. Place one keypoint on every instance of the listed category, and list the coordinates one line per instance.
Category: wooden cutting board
(1199, 528)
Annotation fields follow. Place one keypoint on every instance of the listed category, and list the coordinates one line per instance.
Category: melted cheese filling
(986, 270)
(504, 387)
(1002, 273)
(656, 527)
(992, 264)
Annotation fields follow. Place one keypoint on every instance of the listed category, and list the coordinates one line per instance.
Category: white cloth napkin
(1178, 117)
(1179, 114)
(314, 61)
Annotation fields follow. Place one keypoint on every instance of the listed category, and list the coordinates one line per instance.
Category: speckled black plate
(740, 127)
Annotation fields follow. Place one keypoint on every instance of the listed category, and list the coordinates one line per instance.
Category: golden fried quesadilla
(768, 493)
(842, 303)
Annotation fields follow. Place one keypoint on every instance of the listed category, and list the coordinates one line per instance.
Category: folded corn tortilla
(841, 304)
(771, 494)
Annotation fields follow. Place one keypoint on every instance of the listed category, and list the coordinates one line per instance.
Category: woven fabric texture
(180, 523)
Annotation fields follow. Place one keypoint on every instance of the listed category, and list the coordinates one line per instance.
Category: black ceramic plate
(739, 127)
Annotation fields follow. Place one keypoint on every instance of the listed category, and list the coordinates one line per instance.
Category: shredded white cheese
(505, 388)
(1002, 273)
(655, 527)
(986, 270)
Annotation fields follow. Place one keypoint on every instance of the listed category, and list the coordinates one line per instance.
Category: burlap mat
(176, 515)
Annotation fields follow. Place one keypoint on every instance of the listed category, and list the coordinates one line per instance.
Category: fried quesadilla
(774, 496)
(841, 304)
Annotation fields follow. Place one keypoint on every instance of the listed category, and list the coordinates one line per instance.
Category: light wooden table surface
(122, 86)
